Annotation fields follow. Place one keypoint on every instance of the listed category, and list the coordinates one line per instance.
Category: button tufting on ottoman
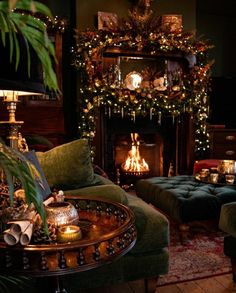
(183, 198)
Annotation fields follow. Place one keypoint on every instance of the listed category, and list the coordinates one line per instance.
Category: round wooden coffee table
(108, 232)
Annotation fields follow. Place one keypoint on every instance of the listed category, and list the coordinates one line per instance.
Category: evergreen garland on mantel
(105, 88)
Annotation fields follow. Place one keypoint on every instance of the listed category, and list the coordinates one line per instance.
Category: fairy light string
(105, 89)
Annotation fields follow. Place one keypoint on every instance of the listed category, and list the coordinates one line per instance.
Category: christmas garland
(104, 89)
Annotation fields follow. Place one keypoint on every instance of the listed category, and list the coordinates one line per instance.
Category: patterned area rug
(200, 255)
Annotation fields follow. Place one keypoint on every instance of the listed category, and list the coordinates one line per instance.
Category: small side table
(108, 234)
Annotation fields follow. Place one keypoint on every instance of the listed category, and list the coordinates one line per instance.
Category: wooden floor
(219, 284)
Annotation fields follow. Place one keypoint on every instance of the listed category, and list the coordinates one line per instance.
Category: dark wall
(216, 21)
(66, 10)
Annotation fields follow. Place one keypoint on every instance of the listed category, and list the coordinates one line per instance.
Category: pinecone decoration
(39, 235)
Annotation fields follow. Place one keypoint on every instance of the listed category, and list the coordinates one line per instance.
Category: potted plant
(20, 18)
(17, 17)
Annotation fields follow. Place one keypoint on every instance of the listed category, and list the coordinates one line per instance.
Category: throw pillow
(44, 188)
(68, 166)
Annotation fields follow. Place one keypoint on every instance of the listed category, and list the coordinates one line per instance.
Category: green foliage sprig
(15, 166)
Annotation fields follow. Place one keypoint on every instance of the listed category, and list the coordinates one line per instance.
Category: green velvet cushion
(227, 221)
(68, 165)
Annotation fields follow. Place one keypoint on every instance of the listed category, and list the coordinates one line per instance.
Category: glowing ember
(134, 163)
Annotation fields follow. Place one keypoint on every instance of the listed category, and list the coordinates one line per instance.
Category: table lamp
(26, 79)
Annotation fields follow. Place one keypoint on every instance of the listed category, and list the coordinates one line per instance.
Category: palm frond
(15, 165)
(34, 6)
(7, 283)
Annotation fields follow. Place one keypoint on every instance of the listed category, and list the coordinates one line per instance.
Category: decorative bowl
(62, 213)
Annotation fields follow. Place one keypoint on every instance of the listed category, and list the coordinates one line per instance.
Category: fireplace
(157, 145)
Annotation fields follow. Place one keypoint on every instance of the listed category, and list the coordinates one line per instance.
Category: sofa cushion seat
(185, 199)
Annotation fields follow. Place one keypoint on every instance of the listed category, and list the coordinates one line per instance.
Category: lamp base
(13, 133)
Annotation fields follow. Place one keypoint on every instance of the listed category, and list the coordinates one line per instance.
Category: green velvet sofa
(68, 167)
(227, 223)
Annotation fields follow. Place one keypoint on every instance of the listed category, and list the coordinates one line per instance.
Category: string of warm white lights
(105, 89)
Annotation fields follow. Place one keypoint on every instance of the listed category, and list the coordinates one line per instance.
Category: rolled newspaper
(25, 236)
(10, 237)
(19, 226)
(22, 230)
(19, 231)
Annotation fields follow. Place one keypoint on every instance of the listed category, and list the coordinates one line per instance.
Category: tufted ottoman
(183, 198)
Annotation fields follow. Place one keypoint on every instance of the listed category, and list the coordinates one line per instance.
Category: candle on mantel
(69, 233)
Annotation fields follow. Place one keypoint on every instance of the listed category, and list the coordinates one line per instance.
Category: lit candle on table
(69, 233)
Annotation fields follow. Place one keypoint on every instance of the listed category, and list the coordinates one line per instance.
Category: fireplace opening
(138, 156)
(154, 142)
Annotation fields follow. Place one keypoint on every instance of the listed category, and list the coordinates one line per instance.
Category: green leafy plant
(21, 18)
(7, 283)
(16, 167)
(18, 17)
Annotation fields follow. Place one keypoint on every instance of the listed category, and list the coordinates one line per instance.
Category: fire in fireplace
(135, 165)
(153, 142)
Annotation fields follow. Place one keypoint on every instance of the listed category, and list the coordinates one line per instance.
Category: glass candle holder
(229, 179)
(214, 177)
(226, 166)
(69, 233)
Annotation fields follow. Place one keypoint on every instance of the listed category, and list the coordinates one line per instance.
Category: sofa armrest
(152, 227)
(227, 221)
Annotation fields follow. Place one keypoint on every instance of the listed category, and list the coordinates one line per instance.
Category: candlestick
(69, 233)
(122, 112)
(159, 117)
(150, 114)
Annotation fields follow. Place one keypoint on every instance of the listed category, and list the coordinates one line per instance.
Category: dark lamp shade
(19, 80)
